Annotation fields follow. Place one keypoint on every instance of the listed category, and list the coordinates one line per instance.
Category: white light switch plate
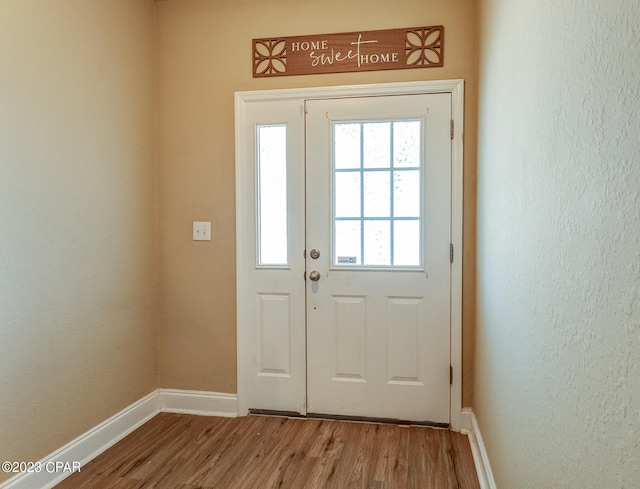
(201, 231)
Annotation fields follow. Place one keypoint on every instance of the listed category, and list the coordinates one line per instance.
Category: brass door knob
(314, 275)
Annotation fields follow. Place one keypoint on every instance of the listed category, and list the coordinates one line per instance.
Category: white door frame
(456, 88)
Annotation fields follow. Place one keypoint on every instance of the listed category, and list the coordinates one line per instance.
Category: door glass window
(377, 187)
(272, 195)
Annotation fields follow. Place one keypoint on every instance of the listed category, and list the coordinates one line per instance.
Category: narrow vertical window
(272, 195)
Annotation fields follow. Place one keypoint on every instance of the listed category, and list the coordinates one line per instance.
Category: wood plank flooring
(177, 451)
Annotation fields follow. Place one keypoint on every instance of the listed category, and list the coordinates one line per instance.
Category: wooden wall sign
(393, 49)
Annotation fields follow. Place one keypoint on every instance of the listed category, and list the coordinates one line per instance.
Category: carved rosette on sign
(393, 49)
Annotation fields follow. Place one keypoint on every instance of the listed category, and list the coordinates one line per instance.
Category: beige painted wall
(205, 56)
(558, 324)
(78, 284)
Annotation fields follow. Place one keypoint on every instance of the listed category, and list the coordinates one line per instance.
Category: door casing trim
(456, 88)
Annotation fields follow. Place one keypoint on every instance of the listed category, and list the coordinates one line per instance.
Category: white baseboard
(87, 446)
(198, 402)
(471, 428)
(98, 439)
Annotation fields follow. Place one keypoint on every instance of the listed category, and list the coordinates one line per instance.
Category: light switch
(201, 231)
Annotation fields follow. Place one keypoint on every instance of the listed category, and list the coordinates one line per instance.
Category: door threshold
(274, 412)
(355, 419)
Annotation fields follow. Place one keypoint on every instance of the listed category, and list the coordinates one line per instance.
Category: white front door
(378, 206)
(343, 255)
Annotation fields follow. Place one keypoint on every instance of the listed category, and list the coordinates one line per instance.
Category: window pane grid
(393, 199)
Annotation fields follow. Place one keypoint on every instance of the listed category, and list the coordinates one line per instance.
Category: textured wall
(558, 305)
(205, 56)
(78, 302)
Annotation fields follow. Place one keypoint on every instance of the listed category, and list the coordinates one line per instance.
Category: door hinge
(451, 130)
(450, 374)
(451, 253)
